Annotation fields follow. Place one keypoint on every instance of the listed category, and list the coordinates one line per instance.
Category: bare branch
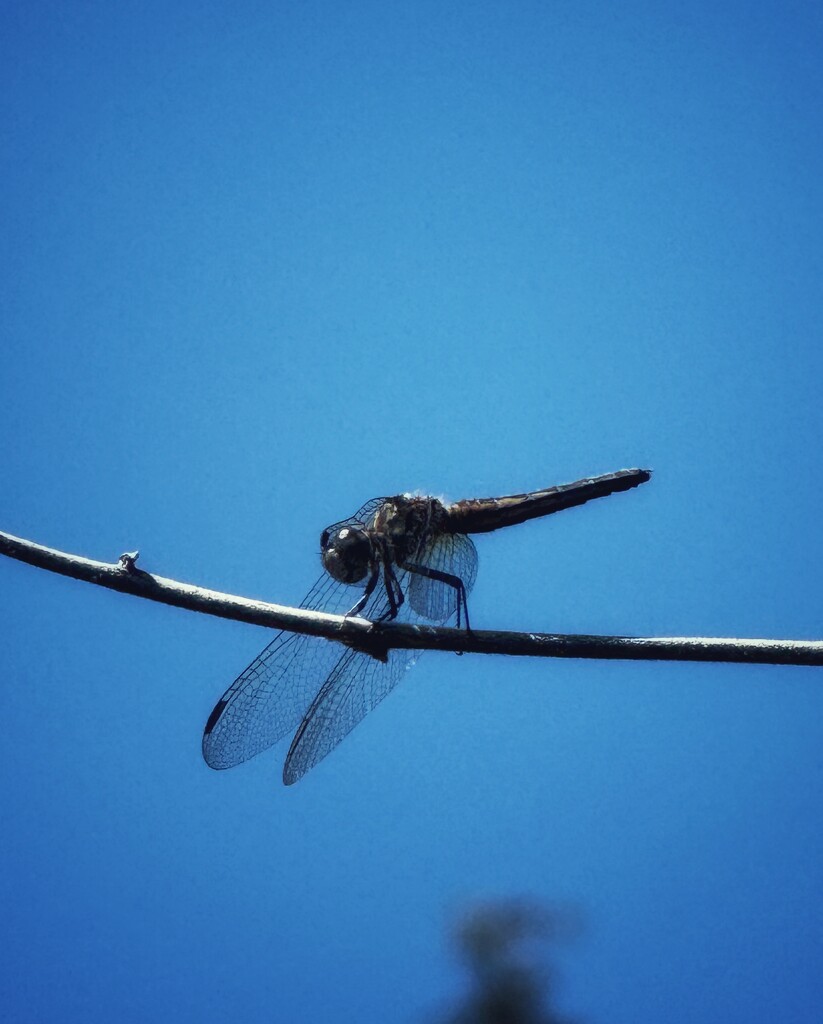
(377, 638)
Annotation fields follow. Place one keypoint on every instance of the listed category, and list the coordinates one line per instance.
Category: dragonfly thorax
(347, 553)
(405, 523)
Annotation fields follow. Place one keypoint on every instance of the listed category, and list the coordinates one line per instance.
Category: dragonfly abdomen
(481, 515)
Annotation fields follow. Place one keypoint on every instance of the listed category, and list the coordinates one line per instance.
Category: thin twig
(377, 638)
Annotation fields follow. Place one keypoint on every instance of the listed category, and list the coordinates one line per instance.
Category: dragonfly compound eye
(347, 553)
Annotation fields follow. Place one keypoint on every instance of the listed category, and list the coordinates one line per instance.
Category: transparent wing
(361, 516)
(269, 698)
(450, 553)
(355, 686)
(358, 682)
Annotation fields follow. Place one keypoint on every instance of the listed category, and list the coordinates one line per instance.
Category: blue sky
(262, 263)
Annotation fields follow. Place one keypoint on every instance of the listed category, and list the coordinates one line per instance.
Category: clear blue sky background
(260, 262)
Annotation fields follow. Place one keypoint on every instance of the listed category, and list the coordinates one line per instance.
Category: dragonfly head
(347, 553)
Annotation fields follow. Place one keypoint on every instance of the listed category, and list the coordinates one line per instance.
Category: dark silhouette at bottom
(504, 948)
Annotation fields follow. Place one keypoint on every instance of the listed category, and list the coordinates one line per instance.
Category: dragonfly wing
(356, 685)
(269, 698)
(451, 553)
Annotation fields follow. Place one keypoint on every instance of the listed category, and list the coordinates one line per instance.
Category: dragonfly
(408, 558)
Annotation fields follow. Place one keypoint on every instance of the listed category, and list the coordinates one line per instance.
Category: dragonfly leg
(451, 580)
(393, 590)
(361, 602)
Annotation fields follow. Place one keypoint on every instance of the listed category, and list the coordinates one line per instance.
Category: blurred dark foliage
(506, 948)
